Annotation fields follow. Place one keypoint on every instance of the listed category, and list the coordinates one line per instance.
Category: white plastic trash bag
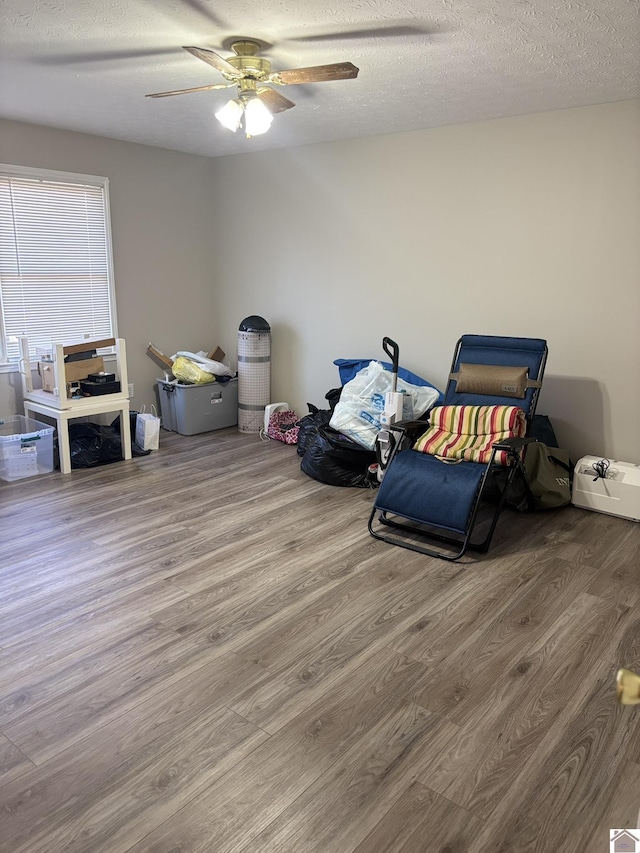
(357, 415)
(148, 430)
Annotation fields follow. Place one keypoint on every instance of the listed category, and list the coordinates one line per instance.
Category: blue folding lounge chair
(423, 499)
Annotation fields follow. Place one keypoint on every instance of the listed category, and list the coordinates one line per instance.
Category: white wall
(161, 217)
(520, 226)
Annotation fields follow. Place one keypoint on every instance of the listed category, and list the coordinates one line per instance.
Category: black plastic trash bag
(542, 429)
(333, 397)
(334, 459)
(96, 444)
(136, 450)
(133, 420)
(308, 426)
(93, 444)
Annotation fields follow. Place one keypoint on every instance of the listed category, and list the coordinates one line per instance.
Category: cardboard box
(47, 375)
(73, 349)
(74, 371)
(216, 354)
(159, 357)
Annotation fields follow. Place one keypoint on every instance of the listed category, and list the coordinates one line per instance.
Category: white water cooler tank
(254, 372)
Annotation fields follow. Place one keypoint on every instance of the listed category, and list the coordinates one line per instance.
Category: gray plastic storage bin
(192, 409)
(26, 448)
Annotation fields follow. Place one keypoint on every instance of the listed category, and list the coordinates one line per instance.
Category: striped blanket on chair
(468, 432)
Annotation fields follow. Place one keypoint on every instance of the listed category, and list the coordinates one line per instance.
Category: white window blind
(55, 260)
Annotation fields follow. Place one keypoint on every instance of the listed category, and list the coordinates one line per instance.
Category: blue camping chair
(423, 499)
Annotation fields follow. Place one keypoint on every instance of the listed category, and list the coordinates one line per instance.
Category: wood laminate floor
(203, 651)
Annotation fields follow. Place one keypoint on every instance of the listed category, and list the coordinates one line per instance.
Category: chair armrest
(513, 444)
(410, 428)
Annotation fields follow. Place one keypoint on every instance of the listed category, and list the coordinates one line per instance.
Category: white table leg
(63, 445)
(125, 433)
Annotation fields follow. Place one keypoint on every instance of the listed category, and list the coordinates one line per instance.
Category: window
(56, 277)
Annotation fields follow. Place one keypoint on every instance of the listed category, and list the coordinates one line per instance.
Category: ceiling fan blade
(203, 10)
(103, 56)
(274, 101)
(194, 89)
(212, 58)
(316, 74)
(395, 31)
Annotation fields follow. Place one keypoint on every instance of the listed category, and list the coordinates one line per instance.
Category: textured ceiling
(85, 65)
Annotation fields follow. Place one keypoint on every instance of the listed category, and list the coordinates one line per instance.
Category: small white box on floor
(616, 494)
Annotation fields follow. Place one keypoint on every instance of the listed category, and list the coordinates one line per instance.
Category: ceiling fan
(256, 103)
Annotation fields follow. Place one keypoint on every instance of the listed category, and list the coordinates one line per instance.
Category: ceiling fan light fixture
(257, 118)
(230, 115)
(256, 103)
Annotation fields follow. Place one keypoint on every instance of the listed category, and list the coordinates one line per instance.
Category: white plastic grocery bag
(357, 414)
(148, 430)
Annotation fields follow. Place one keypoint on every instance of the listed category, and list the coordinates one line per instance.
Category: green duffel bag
(549, 474)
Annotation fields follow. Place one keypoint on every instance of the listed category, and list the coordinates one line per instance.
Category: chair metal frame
(408, 431)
